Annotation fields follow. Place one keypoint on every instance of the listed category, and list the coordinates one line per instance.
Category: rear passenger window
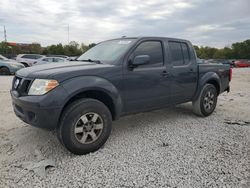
(48, 59)
(185, 52)
(154, 50)
(37, 56)
(179, 53)
(26, 56)
(33, 57)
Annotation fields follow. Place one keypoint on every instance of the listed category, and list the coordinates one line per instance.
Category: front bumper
(39, 111)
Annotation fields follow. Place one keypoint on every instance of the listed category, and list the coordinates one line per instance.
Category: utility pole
(68, 33)
(5, 35)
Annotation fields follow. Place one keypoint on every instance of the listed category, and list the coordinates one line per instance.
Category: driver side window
(154, 50)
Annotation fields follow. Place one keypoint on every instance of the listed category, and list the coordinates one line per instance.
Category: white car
(46, 60)
(28, 59)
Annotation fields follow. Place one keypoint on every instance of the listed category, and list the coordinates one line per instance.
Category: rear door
(183, 72)
(29, 58)
(147, 86)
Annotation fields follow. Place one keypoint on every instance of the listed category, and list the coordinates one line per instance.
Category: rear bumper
(33, 110)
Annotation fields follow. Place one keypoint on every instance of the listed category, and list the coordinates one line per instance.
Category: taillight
(230, 74)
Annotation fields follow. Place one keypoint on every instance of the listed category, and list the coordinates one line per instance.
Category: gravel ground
(164, 148)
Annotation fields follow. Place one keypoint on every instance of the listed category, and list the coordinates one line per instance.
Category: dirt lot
(167, 148)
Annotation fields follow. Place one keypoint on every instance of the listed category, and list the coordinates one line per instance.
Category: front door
(147, 86)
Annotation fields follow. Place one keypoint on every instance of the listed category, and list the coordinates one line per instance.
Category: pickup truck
(80, 99)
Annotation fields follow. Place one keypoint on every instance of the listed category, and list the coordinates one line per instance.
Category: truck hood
(63, 71)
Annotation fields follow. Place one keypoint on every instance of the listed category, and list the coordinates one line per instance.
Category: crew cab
(80, 99)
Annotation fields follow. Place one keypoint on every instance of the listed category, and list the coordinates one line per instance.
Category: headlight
(42, 86)
(15, 66)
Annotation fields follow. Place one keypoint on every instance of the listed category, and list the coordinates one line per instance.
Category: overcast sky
(205, 22)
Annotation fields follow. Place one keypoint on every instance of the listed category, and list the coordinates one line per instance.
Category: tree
(72, 49)
(35, 48)
(238, 50)
(84, 48)
(54, 49)
(4, 49)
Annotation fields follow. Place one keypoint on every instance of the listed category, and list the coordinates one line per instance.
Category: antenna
(5, 35)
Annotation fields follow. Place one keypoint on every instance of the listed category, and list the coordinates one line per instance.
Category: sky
(215, 23)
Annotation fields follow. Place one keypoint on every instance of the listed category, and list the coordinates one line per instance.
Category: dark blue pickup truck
(80, 99)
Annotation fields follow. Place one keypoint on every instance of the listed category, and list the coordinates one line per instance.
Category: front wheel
(85, 126)
(4, 71)
(205, 104)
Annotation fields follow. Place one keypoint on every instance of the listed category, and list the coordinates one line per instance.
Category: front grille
(21, 85)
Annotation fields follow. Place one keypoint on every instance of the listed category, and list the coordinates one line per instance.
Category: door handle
(165, 74)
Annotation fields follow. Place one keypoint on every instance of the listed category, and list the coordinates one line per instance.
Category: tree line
(238, 50)
(71, 49)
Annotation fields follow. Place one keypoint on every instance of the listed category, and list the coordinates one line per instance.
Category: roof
(151, 37)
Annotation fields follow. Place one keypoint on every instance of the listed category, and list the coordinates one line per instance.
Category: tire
(85, 126)
(4, 71)
(205, 104)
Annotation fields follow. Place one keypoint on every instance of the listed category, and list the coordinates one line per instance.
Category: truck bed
(221, 70)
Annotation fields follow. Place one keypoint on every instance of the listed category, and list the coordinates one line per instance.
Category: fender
(207, 77)
(81, 84)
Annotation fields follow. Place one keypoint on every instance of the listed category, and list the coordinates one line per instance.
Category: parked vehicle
(8, 66)
(72, 58)
(61, 56)
(242, 63)
(46, 60)
(28, 59)
(115, 78)
(223, 61)
(200, 60)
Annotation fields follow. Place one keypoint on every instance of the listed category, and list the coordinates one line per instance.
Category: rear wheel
(4, 71)
(85, 126)
(206, 102)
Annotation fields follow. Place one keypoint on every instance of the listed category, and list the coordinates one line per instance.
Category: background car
(242, 63)
(200, 60)
(28, 59)
(62, 56)
(223, 61)
(46, 60)
(72, 58)
(8, 66)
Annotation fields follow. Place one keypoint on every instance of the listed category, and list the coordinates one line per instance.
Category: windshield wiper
(91, 60)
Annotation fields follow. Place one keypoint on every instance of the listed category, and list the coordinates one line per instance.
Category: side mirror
(141, 60)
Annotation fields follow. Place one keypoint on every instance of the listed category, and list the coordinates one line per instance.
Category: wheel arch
(95, 88)
(25, 64)
(99, 95)
(3, 66)
(208, 78)
(215, 83)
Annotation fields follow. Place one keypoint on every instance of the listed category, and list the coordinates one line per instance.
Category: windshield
(108, 51)
(3, 58)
